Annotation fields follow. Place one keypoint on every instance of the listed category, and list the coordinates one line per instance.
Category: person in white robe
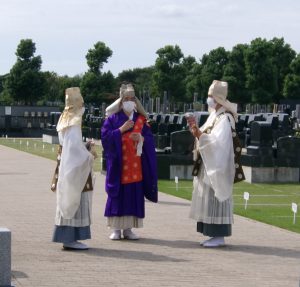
(212, 204)
(73, 212)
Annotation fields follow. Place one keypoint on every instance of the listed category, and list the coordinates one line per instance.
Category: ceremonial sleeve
(216, 150)
(149, 165)
(111, 138)
(75, 165)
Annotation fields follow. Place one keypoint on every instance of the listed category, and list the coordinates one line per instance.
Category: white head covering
(116, 106)
(218, 90)
(72, 114)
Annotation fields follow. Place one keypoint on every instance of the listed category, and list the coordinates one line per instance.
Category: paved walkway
(167, 255)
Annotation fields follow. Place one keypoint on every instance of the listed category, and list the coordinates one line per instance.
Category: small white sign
(246, 197)
(8, 111)
(294, 209)
(176, 182)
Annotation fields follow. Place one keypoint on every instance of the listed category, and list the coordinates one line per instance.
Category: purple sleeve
(149, 165)
(112, 144)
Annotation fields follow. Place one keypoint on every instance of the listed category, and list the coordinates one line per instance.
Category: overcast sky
(64, 30)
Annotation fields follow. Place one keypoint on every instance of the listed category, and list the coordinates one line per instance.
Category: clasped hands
(90, 145)
(134, 136)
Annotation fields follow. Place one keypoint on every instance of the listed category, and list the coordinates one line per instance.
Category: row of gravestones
(163, 126)
(278, 125)
(261, 153)
(264, 151)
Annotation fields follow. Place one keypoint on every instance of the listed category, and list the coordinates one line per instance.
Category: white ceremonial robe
(212, 193)
(75, 165)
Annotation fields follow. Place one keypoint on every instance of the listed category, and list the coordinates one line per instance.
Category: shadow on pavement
(264, 250)
(131, 255)
(174, 203)
(170, 243)
(18, 274)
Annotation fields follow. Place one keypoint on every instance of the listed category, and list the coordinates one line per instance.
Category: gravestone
(260, 150)
(182, 142)
(273, 120)
(288, 151)
(5, 257)
(180, 161)
(261, 134)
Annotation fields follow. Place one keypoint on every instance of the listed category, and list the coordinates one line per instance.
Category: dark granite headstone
(273, 120)
(261, 134)
(260, 152)
(288, 151)
(182, 142)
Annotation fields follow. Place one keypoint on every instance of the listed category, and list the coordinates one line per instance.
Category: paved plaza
(168, 253)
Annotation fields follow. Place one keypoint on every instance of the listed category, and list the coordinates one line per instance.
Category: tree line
(264, 72)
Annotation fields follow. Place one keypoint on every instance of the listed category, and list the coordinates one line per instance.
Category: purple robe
(127, 199)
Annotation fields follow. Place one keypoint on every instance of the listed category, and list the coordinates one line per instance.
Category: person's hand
(126, 126)
(135, 136)
(89, 144)
(191, 120)
(195, 131)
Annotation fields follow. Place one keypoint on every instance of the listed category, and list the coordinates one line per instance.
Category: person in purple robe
(130, 162)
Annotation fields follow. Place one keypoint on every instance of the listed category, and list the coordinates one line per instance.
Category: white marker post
(35, 146)
(176, 182)
(53, 149)
(294, 209)
(27, 144)
(246, 197)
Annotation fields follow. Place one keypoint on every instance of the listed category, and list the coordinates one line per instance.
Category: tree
(53, 87)
(260, 71)
(5, 98)
(235, 75)
(25, 83)
(168, 72)
(194, 82)
(97, 56)
(94, 84)
(282, 56)
(291, 88)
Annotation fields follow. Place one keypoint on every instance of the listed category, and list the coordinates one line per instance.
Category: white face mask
(129, 106)
(211, 102)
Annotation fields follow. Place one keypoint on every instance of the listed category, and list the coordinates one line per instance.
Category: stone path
(168, 253)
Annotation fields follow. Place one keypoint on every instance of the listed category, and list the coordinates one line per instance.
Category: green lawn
(269, 203)
(37, 147)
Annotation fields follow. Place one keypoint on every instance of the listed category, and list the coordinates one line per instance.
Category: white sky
(64, 30)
